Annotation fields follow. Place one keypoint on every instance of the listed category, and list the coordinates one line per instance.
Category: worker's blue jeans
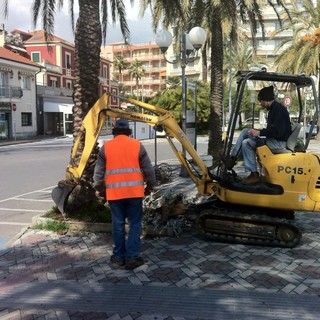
(121, 210)
(246, 146)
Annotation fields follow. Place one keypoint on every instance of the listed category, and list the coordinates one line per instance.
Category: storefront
(57, 118)
(5, 120)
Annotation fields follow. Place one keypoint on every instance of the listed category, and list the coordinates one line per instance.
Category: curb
(75, 225)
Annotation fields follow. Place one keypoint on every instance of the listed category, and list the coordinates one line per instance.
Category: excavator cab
(296, 92)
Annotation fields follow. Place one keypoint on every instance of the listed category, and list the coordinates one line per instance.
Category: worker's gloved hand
(100, 195)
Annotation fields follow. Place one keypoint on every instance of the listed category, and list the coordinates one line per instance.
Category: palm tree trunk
(86, 85)
(204, 63)
(216, 87)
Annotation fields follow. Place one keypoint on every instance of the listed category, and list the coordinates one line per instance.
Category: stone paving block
(188, 272)
(246, 274)
(289, 288)
(135, 281)
(215, 277)
(194, 283)
(183, 282)
(142, 277)
(289, 277)
(97, 270)
(62, 315)
(51, 316)
(234, 273)
(301, 288)
(244, 283)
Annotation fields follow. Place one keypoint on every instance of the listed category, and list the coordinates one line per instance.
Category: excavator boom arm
(92, 126)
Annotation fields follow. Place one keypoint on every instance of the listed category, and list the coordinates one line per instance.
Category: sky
(20, 17)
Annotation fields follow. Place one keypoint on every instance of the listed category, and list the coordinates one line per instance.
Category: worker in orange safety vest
(122, 167)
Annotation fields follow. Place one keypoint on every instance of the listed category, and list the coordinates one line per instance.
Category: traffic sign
(287, 101)
(14, 107)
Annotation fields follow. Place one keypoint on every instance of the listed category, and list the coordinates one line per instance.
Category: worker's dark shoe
(229, 162)
(132, 263)
(253, 178)
(118, 261)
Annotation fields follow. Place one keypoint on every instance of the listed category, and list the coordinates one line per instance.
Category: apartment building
(266, 45)
(153, 63)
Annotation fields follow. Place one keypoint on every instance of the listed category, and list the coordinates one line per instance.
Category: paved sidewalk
(48, 276)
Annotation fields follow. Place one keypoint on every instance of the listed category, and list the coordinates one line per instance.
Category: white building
(18, 116)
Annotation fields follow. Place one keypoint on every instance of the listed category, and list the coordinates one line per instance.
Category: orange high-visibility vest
(123, 177)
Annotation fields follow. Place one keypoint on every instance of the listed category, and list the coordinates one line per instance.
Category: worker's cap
(266, 94)
(122, 124)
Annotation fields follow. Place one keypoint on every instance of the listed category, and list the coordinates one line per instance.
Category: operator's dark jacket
(278, 123)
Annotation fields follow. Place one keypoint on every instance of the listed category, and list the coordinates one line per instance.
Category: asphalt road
(30, 171)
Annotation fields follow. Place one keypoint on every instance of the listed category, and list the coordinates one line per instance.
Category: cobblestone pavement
(187, 262)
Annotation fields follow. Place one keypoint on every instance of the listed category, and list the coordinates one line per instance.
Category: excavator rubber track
(237, 226)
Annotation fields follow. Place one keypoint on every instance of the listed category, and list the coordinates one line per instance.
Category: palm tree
(119, 63)
(215, 17)
(304, 46)
(91, 28)
(173, 82)
(137, 71)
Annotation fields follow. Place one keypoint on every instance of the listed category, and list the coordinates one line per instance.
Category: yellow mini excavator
(260, 214)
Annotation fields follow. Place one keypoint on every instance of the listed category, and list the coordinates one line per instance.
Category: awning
(57, 107)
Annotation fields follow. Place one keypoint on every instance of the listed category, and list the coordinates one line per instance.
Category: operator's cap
(266, 94)
(122, 124)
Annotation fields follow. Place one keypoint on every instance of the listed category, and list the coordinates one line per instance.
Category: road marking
(24, 194)
(14, 223)
(26, 210)
(33, 200)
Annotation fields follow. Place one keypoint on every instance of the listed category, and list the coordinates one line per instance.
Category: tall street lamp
(189, 43)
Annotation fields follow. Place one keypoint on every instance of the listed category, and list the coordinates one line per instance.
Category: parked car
(305, 130)
(252, 123)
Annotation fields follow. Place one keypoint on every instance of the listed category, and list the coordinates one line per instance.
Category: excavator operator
(276, 133)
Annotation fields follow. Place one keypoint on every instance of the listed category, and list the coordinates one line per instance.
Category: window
(4, 89)
(69, 84)
(35, 56)
(68, 60)
(26, 119)
(68, 120)
(26, 82)
(53, 82)
(105, 72)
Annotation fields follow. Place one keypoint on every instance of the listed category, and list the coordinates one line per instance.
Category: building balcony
(10, 92)
(52, 91)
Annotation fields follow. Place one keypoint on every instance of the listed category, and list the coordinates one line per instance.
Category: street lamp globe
(197, 36)
(163, 40)
(189, 45)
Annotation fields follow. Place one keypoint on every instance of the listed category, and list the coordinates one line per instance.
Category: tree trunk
(88, 41)
(216, 87)
(204, 64)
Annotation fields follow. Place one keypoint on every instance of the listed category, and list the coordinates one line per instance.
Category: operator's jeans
(132, 210)
(247, 146)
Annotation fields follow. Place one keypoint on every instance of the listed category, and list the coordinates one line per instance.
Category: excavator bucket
(61, 193)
